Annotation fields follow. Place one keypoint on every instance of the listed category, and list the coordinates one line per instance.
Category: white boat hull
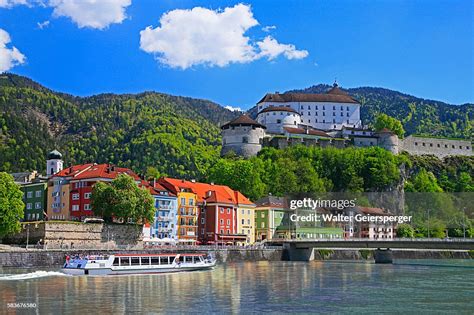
(82, 267)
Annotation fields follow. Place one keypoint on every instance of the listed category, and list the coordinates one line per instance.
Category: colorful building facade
(165, 224)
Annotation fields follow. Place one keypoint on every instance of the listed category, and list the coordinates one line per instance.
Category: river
(434, 286)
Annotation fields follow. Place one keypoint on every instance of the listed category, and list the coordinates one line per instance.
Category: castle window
(316, 107)
(445, 145)
(324, 107)
(324, 121)
(416, 143)
(334, 121)
(452, 146)
(431, 144)
(309, 114)
(334, 108)
(348, 121)
(309, 121)
(347, 115)
(333, 113)
(347, 108)
(316, 120)
(438, 145)
(423, 144)
(316, 113)
(342, 108)
(294, 122)
(342, 114)
(324, 114)
(460, 147)
(245, 140)
(260, 141)
(278, 121)
(468, 148)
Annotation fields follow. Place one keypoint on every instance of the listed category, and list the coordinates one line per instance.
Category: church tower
(54, 163)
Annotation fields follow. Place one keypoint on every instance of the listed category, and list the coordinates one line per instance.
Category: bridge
(298, 249)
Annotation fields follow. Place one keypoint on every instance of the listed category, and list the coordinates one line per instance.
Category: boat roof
(157, 255)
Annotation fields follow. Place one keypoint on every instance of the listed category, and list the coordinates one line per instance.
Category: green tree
(122, 198)
(11, 205)
(385, 121)
(405, 230)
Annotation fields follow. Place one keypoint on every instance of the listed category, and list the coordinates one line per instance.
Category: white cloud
(202, 36)
(271, 48)
(12, 3)
(268, 28)
(234, 109)
(42, 25)
(9, 57)
(97, 14)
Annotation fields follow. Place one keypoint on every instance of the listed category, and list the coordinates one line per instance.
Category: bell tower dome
(54, 163)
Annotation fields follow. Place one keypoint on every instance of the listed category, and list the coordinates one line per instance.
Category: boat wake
(31, 275)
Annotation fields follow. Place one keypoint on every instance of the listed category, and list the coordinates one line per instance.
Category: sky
(234, 52)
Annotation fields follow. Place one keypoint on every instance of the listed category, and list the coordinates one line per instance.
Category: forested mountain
(179, 136)
(419, 116)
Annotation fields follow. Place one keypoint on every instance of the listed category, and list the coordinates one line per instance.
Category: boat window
(135, 261)
(124, 261)
(145, 260)
(164, 260)
(181, 258)
(189, 259)
(155, 261)
(116, 261)
(172, 259)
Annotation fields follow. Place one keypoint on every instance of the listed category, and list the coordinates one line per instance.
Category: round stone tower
(276, 118)
(387, 140)
(243, 135)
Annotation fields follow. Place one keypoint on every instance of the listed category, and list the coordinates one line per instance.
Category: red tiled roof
(313, 132)
(206, 192)
(333, 97)
(72, 171)
(107, 171)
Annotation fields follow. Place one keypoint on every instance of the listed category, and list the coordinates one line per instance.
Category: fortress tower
(387, 140)
(243, 135)
(276, 118)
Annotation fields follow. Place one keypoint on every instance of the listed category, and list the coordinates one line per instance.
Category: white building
(276, 118)
(329, 111)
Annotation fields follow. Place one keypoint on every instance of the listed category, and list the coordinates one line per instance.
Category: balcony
(164, 218)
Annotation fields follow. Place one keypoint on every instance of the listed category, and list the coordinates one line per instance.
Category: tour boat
(137, 264)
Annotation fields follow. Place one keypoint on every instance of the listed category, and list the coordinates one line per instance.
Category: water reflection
(253, 287)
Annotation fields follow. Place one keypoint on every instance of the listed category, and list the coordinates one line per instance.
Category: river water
(434, 286)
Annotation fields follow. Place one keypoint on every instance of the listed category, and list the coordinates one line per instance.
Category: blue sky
(234, 56)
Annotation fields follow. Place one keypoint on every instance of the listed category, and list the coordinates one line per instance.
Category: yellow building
(187, 215)
(245, 222)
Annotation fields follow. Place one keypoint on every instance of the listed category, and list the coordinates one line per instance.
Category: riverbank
(43, 258)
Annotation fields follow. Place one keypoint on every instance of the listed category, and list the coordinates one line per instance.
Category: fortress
(329, 119)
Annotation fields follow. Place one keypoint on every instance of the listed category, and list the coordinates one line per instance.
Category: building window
(248, 212)
(228, 222)
(347, 115)
(221, 210)
(221, 221)
(228, 231)
(263, 215)
(243, 211)
(248, 221)
(202, 231)
(87, 207)
(75, 207)
(243, 221)
(245, 140)
(28, 206)
(228, 210)
(75, 196)
(191, 201)
(183, 201)
(222, 231)
(262, 225)
(87, 195)
(278, 121)
(29, 194)
(202, 221)
(38, 205)
(38, 193)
